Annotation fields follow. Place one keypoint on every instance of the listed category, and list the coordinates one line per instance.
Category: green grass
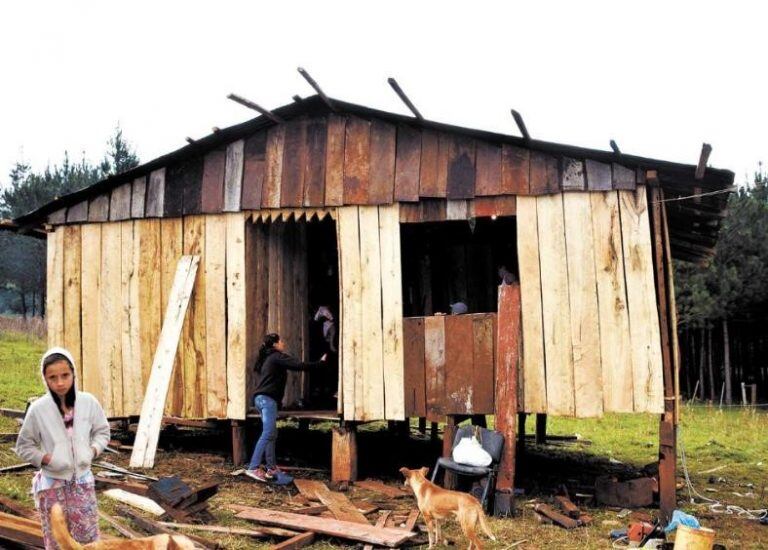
(19, 369)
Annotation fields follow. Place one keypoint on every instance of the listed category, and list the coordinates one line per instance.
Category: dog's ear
(406, 472)
(424, 471)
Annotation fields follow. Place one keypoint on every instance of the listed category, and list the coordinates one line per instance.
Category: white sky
(658, 77)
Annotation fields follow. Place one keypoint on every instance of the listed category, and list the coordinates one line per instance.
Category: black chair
(493, 443)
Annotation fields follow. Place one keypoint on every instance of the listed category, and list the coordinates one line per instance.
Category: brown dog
(436, 503)
(158, 542)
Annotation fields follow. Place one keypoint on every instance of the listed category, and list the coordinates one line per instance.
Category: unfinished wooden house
(386, 220)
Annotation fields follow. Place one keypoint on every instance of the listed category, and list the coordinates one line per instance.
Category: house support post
(344, 452)
(541, 429)
(239, 450)
(449, 434)
(521, 419)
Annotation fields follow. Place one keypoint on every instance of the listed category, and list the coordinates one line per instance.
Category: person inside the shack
(272, 366)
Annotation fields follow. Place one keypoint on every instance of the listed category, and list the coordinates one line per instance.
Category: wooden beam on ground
(257, 533)
(557, 517)
(15, 468)
(381, 522)
(18, 509)
(119, 527)
(145, 445)
(294, 543)
(382, 536)
(383, 488)
(155, 528)
(337, 503)
(21, 530)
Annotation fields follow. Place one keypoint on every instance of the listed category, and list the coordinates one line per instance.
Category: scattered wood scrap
(570, 509)
(21, 530)
(7, 437)
(137, 501)
(294, 543)
(15, 468)
(154, 528)
(18, 509)
(261, 532)
(381, 536)
(179, 500)
(128, 486)
(555, 516)
(119, 527)
(383, 488)
(381, 522)
(338, 504)
(413, 517)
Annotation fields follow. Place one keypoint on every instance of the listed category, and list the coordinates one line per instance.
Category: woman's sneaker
(259, 475)
(272, 473)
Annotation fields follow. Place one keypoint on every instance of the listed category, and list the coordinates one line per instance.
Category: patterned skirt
(78, 500)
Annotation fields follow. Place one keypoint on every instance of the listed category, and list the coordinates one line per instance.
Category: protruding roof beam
(401, 94)
(706, 149)
(317, 88)
(251, 105)
(615, 147)
(521, 124)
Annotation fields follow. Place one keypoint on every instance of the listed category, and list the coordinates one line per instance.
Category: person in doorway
(272, 366)
(506, 276)
(329, 327)
(63, 432)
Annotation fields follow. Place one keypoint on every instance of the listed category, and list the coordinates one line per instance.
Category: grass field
(735, 439)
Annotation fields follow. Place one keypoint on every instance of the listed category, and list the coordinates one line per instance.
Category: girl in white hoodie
(63, 432)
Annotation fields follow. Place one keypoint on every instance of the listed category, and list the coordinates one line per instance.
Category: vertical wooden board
(276, 231)
(72, 300)
(58, 217)
(190, 180)
(459, 368)
(461, 169)
(488, 176)
(555, 309)
(193, 339)
(314, 167)
(213, 181)
(215, 277)
(615, 344)
(446, 151)
(138, 197)
(641, 300)
(357, 161)
(434, 364)
(233, 176)
(294, 157)
(270, 194)
(129, 358)
(236, 329)
(78, 212)
(155, 206)
(582, 293)
(515, 170)
(573, 175)
(334, 161)
(147, 253)
(120, 203)
(350, 292)
(392, 312)
(98, 208)
(288, 324)
(623, 178)
(545, 173)
(54, 303)
(302, 299)
(171, 241)
(254, 167)
(382, 176)
(483, 353)
(372, 343)
(533, 377)
(407, 163)
(428, 168)
(508, 359)
(413, 359)
(258, 279)
(598, 175)
(91, 308)
(110, 365)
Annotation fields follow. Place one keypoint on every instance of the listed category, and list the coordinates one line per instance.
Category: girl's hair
(266, 348)
(69, 398)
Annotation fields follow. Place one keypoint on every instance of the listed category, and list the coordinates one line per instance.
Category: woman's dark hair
(69, 399)
(266, 348)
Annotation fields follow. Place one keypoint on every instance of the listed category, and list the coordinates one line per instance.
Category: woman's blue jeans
(265, 446)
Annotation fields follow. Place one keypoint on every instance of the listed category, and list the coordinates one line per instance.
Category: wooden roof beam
(401, 94)
(706, 149)
(615, 147)
(258, 108)
(317, 88)
(521, 124)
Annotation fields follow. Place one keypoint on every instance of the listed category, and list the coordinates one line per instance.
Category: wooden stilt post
(433, 430)
(479, 420)
(521, 420)
(449, 433)
(507, 358)
(344, 452)
(303, 424)
(541, 429)
(422, 425)
(239, 452)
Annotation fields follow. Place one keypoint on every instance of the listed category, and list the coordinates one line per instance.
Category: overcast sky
(658, 77)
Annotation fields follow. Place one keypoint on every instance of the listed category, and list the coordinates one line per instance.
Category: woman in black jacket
(272, 366)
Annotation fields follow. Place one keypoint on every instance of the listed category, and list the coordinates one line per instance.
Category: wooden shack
(387, 220)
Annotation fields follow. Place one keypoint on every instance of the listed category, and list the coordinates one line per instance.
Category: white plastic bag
(470, 452)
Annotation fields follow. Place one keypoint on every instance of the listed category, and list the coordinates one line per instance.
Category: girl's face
(59, 378)
(279, 345)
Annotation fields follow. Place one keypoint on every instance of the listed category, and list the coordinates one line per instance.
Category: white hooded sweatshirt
(43, 432)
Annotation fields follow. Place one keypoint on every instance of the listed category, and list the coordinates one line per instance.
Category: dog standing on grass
(436, 503)
(158, 542)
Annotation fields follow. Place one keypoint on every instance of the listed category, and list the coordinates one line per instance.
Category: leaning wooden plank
(294, 543)
(145, 445)
(585, 325)
(214, 265)
(90, 276)
(144, 504)
(110, 318)
(233, 176)
(615, 345)
(54, 307)
(383, 536)
(381, 522)
(556, 315)
(237, 345)
(72, 294)
(641, 301)
(534, 390)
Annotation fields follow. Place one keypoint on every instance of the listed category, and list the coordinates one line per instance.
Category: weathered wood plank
(623, 178)
(129, 336)
(555, 305)
(110, 365)
(215, 277)
(171, 242)
(599, 176)
(488, 161)
(461, 169)
(213, 181)
(434, 364)
(120, 203)
(148, 261)
(98, 208)
(508, 359)
(236, 329)
(585, 324)
(314, 168)
(428, 170)
(515, 170)
(58, 217)
(294, 157)
(254, 168)
(72, 295)
(615, 344)
(641, 301)
(270, 195)
(78, 212)
(534, 390)
(138, 197)
(91, 308)
(545, 176)
(415, 378)
(155, 206)
(187, 178)
(483, 360)
(407, 163)
(382, 158)
(233, 176)
(503, 205)
(334, 161)
(392, 312)
(458, 364)
(357, 161)
(446, 150)
(193, 334)
(573, 175)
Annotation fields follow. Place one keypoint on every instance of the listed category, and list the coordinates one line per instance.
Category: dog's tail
(60, 530)
(484, 524)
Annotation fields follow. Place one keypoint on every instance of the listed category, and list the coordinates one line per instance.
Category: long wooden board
(237, 350)
(54, 306)
(533, 378)
(148, 262)
(145, 445)
(110, 365)
(171, 242)
(91, 308)
(337, 503)
(129, 337)
(214, 266)
(413, 358)
(193, 334)
(233, 176)
(72, 297)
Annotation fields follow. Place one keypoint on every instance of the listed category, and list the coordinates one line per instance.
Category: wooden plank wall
(449, 364)
(371, 340)
(107, 287)
(591, 302)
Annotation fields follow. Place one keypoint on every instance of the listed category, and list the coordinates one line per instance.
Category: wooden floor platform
(301, 414)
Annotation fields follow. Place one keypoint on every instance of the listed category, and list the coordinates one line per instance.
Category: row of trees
(22, 267)
(723, 305)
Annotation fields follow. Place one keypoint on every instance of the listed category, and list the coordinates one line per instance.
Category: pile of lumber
(568, 517)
